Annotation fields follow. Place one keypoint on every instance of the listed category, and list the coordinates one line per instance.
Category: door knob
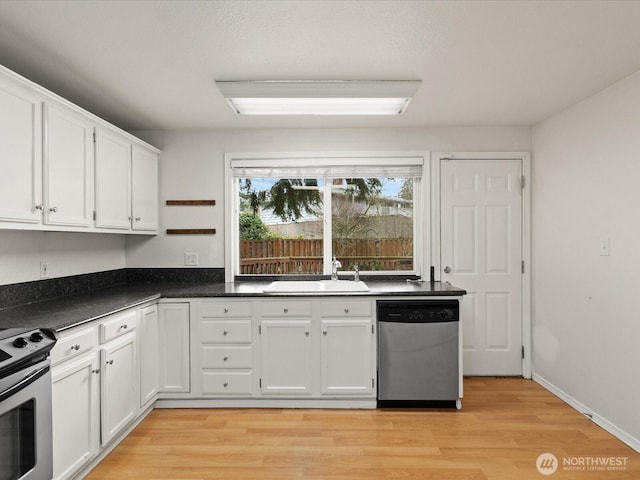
(447, 269)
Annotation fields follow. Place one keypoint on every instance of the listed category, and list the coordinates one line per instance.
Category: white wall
(586, 188)
(191, 167)
(66, 253)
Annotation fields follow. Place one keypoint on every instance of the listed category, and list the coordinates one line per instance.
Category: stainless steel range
(25, 404)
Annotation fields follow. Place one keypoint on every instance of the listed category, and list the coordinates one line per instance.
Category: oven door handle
(24, 383)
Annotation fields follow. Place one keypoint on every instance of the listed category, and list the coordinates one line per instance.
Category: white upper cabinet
(68, 167)
(126, 184)
(113, 180)
(62, 168)
(20, 153)
(144, 189)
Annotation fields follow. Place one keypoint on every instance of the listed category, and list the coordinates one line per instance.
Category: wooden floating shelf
(191, 231)
(191, 203)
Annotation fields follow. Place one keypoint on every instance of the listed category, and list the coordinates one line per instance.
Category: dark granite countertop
(66, 312)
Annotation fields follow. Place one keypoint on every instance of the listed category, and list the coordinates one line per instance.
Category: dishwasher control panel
(430, 311)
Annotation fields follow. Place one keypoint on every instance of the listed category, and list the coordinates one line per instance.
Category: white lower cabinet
(118, 394)
(148, 342)
(76, 414)
(286, 358)
(95, 389)
(174, 360)
(286, 348)
(347, 357)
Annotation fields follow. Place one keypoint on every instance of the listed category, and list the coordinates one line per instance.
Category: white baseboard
(597, 419)
(267, 403)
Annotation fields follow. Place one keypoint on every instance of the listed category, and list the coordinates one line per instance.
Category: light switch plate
(191, 259)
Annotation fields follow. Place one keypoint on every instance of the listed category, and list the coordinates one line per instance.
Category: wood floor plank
(505, 424)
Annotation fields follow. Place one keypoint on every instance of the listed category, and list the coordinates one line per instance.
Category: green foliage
(252, 227)
(289, 198)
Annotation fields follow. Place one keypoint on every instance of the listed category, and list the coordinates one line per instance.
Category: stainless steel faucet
(356, 274)
(335, 265)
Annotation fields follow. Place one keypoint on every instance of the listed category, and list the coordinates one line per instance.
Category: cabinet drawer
(214, 356)
(227, 383)
(345, 308)
(118, 325)
(226, 331)
(75, 344)
(283, 309)
(227, 309)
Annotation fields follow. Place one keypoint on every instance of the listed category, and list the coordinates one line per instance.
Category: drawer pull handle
(225, 384)
(110, 362)
(286, 310)
(226, 310)
(346, 310)
(225, 359)
(97, 370)
(224, 332)
(75, 347)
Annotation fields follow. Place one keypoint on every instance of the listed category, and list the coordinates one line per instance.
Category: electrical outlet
(44, 269)
(605, 246)
(191, 259)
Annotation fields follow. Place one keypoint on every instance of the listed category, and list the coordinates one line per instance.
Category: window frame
(421, 204)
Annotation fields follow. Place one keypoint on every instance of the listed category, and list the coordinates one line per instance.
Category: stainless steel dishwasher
(418, 353)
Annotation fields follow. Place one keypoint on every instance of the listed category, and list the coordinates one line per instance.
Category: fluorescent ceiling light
(334, 97)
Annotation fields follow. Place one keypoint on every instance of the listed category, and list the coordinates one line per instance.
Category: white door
(481, 251)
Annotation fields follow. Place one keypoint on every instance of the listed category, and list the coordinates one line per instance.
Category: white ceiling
(152, 64)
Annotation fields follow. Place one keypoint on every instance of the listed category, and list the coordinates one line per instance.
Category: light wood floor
(505, 424)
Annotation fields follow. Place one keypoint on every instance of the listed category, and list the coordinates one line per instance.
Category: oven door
(25, 424)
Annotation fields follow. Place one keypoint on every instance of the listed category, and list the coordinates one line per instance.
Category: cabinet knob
(124, 327)
(130, 218)
(109, 362)
(39, 207)
(225, 310)
(286, 310)
(75, 347)
(137, 219)
(97, 370)
(53, 209)
(224, 332)
(346, 310)
(306, 332)
(225, 384)
(224, 359)
(324, 332)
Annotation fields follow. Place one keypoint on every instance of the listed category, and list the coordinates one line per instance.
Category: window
(291, 220)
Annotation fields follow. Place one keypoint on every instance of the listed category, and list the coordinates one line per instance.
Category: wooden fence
(299, 256)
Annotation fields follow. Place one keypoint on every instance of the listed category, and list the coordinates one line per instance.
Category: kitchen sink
(316, 286)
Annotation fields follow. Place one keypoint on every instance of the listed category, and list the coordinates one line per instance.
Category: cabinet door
(113, 180)
(68, 168)
(149, 355)
(286, 357)
(174, 347)
(119, 400)
(20, 154)
(76, 418)
(347, 362)
(144, 189)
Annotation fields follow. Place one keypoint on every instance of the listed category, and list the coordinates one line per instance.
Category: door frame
(525, 158)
